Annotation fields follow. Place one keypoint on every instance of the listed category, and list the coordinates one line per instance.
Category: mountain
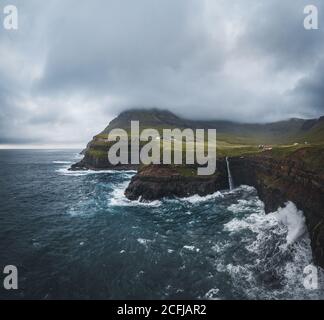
(153, 118)
(313, 130)
(276, 132)
(233, 138)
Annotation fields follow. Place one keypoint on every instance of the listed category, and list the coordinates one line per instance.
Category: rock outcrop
(158, 181)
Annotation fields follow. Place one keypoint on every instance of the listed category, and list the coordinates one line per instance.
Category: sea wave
(77, 173)
(118, 198)
(197, 198)
(245, 205)
(263, 256)
(289, 217)
(281, 248)
(191, 248)
(144, 242)
(62, 162)
(293, 219)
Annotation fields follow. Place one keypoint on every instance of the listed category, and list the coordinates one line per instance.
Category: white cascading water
(230, 179)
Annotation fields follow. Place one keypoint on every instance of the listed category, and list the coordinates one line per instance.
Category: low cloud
(72, 66)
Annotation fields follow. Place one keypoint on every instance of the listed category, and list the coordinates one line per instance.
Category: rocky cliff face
(158, 181)
(280, 180)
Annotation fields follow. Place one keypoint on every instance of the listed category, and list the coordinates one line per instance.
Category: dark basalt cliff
(158, 181)
(280, 180)
(277, 181)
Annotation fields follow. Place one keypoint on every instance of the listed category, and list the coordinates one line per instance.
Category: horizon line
(20, 146)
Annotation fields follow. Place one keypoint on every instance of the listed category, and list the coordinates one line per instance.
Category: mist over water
(75, 235)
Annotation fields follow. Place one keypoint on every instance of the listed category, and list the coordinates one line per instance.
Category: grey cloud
(309, 91)
(74, 65)
(276, 30)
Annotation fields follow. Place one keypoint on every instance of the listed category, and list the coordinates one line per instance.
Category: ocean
(74, 235)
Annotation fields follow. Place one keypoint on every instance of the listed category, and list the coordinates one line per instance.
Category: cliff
(158, 181)
(292, 178)
(296, 177)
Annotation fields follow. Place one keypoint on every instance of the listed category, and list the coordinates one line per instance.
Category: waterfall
(230, 179)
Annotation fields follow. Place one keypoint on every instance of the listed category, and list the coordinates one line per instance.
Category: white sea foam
(247, 188)
(191, 248)
(62, 162)
(255, 222)
(293, 219)
(282, 249)
(245, 205)
(144, 242)
(77, 173)
(289, 216)
(220, 247)
(118, 198)
(212, 294)
(243, 187)
(196, 198)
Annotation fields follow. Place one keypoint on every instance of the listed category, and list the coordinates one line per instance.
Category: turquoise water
(74, 235)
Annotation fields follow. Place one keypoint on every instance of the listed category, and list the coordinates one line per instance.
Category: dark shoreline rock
(81, 166)
(99, 163)
(159, 181)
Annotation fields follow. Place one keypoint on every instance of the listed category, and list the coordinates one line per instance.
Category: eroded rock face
(280, 180)
(159, 181)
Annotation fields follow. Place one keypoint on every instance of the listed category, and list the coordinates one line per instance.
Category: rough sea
(74, 235)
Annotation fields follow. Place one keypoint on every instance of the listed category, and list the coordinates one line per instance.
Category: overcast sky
(73, 65)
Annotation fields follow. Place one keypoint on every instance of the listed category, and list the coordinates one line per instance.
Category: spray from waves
(197, 199)
(118, 198)
(78, 156)
(294, 220)
(279, 250)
